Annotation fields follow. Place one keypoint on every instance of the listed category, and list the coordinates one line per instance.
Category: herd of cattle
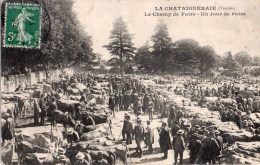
(97, 142)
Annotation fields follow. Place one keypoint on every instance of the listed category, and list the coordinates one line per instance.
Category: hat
(217, 132)
(148, 121)
(61, 151)
(80, 155)
(195, 134)
(139, 120)
(197, 126)
(62, 157)
(126, 114)
(180, 132)
(203, 127)
(70, 130)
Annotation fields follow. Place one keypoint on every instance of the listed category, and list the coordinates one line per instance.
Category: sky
(223, 33)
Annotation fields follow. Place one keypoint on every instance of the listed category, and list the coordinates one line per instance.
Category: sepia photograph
(130, 82)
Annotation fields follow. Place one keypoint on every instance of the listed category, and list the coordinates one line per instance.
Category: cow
(81, 128)
(23, 107)
(60, 117)
(7, 129)
(7, 152)
(24, 147)
(37, 159)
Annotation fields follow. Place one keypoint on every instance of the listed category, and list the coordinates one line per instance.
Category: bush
(232, 74)
(255, 72)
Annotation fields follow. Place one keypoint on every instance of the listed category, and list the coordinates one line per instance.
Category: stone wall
(10, 83)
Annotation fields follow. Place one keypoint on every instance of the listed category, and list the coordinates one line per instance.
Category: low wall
(10, 83)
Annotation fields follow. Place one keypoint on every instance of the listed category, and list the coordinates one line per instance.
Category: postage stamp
(22, 25)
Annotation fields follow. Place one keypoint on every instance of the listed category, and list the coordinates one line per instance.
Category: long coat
(165, 141)
(149, 136)
(139, 133)
(179, 145)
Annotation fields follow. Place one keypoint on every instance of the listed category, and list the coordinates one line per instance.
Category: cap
(216, 132)
(197, 126)
(80, 155)
(70, 130)
(180, 132)
(139, 120)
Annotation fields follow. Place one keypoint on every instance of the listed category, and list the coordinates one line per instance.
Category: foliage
(256, 61)
(144, 58)
(255, 72)
(162, 45)
(243, 58)
(233, 69)
(120, 45)
(65, 44)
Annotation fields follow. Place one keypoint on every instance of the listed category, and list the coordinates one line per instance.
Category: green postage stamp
(22, 25)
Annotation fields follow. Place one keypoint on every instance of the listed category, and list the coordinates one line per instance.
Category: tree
(207, 58)
(63, 40)
(162, 44)
(256, 60)
(243, 58)
(231, 66)
(144, 58)
(187, 55)
(120, 45)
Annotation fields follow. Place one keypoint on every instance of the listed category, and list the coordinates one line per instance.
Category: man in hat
(210, 148)
(150, 108)
(219, 139)
(111, 103)
(178, 146)
(194, 146)
(127, 100)
(117, 101)
(165, 140)
(72, 136)
(149, 137)
(139, 135)
(127, 129)
(87, 119)
(80, 159)
(37, 111)
(43, 106)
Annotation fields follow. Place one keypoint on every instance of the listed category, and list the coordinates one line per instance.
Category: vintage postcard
(128, 82)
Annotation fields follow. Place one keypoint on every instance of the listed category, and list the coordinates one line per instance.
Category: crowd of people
(130, 94)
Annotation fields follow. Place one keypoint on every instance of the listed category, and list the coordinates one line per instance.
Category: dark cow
(60, 117)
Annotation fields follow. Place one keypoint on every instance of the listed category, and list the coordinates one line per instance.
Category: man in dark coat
(220, 142)
(210, 148)
(165, 140)
(111, 103)
(37, 111)
(139, 136)
(194, 146)
(127, 129)
(178, 146)
(43, 106)
(127, 101)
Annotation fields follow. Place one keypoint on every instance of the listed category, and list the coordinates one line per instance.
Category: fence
(10, 83)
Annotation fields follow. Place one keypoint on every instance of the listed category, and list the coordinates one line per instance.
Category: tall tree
(187, 55)
(243, 58)
(207, 58)
(120, 45)
(144, 58)
(162, 44)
